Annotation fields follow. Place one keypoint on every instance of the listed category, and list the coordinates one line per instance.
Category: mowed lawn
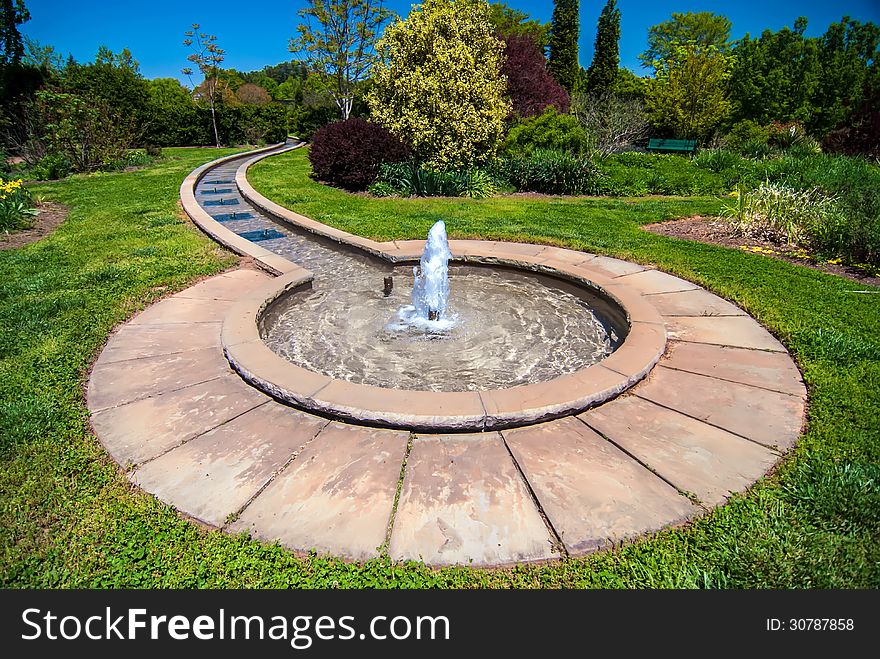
(69, 518)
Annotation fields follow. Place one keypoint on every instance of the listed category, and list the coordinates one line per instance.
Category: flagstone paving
(721, 407)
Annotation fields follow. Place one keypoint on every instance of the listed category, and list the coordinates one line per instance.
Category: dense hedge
(348, 153)
(190, 125)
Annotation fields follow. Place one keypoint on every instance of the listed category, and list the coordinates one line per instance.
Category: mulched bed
(49, 218)
(714, 231)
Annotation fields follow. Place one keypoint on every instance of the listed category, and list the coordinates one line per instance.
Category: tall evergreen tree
(12, 14)
(565, 25)
(602, 73)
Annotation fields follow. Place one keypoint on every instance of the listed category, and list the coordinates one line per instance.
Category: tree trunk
(214, 122)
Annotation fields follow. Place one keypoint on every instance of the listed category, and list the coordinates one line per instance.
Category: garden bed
(48, 219)
(715, 231)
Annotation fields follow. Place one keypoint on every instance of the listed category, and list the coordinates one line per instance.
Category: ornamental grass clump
(782, 214)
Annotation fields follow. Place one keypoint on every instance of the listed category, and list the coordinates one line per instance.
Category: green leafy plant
(744, 132)
(550, 172)
(549, 130)
(716, 160)
(16, 208)
(410, 179)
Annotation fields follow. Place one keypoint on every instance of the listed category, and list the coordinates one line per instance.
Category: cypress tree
(564, 43)
(12, 14)
(602, 73)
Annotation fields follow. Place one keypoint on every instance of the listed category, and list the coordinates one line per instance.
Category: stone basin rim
(428, 411)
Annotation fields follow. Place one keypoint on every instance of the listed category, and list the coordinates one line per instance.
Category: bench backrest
(663, 143)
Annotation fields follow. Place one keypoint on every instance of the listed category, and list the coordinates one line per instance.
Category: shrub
(755, 149)
(549, 130)
(133, 158)
(15, 205)
(784, 135)
(305, 120)
(529, 84)
(613, 121)
(860, 135)
(860, 240)
(804, 148)
(348, 153)
(50, 168)
(746, 132)
(89, 133)
(439, 83)
(550, 172)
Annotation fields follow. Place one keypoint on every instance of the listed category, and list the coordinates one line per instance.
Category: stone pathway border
(721, 407)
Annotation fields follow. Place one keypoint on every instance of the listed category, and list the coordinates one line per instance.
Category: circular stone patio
(717, 411)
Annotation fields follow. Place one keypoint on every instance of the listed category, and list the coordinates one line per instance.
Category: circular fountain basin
(525, 346)
(502, 328)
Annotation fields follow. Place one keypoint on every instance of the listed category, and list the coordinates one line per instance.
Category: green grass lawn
(69, 518)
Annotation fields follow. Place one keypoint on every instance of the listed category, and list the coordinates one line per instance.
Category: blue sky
(255, 34)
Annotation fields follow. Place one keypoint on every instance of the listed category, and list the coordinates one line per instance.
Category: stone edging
(269, 261)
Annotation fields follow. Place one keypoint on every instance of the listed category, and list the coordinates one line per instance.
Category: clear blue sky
(255, 34)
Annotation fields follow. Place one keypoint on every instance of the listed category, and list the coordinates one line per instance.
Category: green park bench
(661, 144)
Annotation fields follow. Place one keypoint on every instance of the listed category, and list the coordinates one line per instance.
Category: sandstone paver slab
(147, 428)
(592, 492)
(336, 496)
(117, 383)
(464, 502)
(215, 474)
(183, 310)
(759, 368)
(690, 454)
(227, 286)
(767, 417)
(610, 267)
(693, 302)
(735, 331)
(655, 281)
(137, 341)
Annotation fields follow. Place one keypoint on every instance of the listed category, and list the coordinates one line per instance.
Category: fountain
(499, 328)
(430, 292)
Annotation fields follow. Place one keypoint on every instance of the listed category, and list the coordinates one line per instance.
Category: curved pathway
(724, 403)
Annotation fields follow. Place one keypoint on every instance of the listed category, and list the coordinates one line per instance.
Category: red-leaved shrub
(348, 153)
(531, 87)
